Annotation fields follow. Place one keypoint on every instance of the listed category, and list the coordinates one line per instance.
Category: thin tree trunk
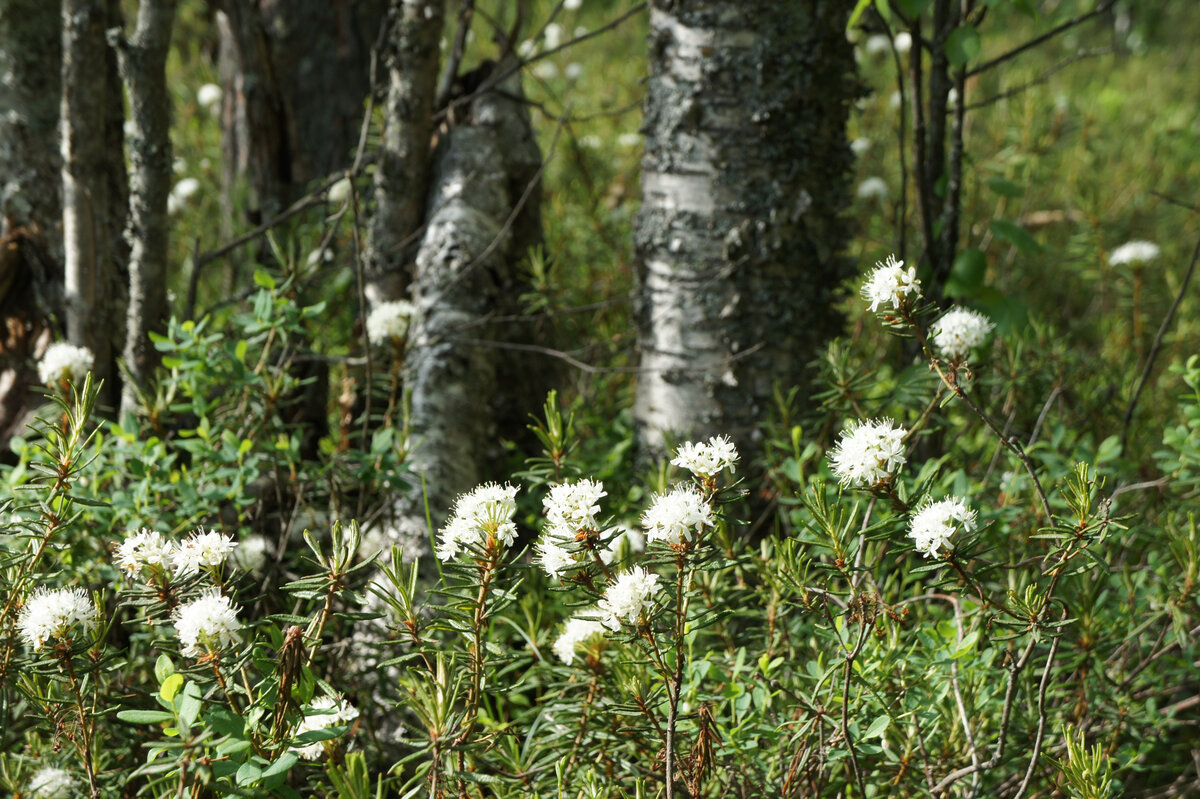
(402, 175)
(143, 61)
(30, 197)
(744, 180)
(93, 185)
(462, 386)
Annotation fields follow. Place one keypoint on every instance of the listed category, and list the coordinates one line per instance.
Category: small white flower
(202, 549)
(952, 97)
(332, 711)
(321, 255)
(894, 100)
(860, 145)
(959, 330)
(627, 597)
(545, 70)
(185, 188)
(484, 513)
(629, 139)
(55, 614)
(207, 625)
(179, 166)
(1134, 252)
(878, 44)
(574, 505)
(527, 48)
(145, 549)
(873, 188)
(553, 35)
(891, 285)
(576, 632)
(553, 553)
(868, 452)
(388, 321)
(707, 459)
(64, 361)
(902, 42)
(251, 554)
(933, 525)
(572, 5)
(209, 96)
(52, 783)
(339, 192)
(574, 71)
(591, 141)
(676, 516)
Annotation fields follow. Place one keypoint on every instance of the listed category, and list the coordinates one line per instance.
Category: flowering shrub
(952, 596)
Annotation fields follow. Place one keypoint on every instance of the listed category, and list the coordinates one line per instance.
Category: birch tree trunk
(462, 384)
(94, 189)
(744, 179)
(401, 178)
(30, 197)
(143, 60)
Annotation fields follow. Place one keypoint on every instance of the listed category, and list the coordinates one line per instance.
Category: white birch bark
(461, 387)
(401, 178)
(743, 181)
(143, 60)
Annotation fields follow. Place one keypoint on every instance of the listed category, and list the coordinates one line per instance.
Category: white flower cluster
(207, 624)
(868, 452)
(574, 505)
(148, 550)
(630, 594)
(181, 193)
(482, 514)
(388, 321)
(333, 711)
(52, 783)
(872, 188)
(959, 331)
(56, 614)
(209, 97)
(890, 284)
(676, 516)
(571, 509)
(202, 549)
(1134, 252)
(576, 632)
(933, 525)
(145, 549)
(64, 361)
(708, 458)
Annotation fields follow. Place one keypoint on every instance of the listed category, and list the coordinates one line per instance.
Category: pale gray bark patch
(401, 178)
(467, 270)
(93, 187)
(143, 60)
(745, 176)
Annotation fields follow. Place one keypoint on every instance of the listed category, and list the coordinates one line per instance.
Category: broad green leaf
(171, 686)
(878, 727)
(1015, 235)
(966, 275)
(963, 45)
(1004, 187)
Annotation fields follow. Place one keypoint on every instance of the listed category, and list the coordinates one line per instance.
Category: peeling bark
(143, 60)
(464, 391)
(744, 179)
(401, 178)
(93, 187)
